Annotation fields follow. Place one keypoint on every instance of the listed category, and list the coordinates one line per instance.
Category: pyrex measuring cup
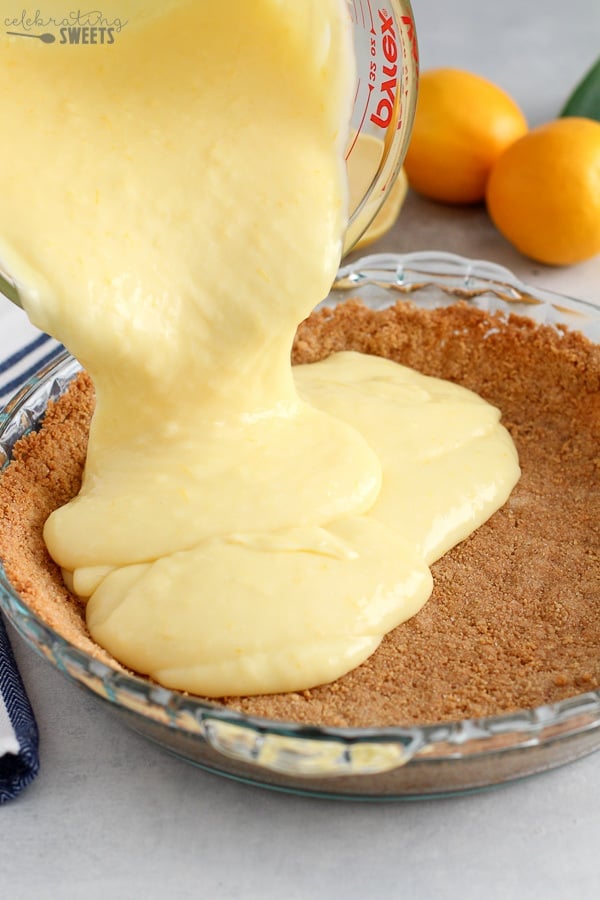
(384, 104)
(386, 93)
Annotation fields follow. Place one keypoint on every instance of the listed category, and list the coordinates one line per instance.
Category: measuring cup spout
(383, 112)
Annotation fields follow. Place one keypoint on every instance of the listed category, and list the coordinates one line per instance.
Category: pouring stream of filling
(173, 205)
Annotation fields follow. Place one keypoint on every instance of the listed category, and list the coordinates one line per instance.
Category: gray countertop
(111, 815)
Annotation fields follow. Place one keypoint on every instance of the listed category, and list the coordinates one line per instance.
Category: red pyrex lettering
(389, 45)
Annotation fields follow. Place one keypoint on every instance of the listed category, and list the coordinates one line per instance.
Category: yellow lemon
(544, 192)
(388, 213)
(463, 123)
(362, 164)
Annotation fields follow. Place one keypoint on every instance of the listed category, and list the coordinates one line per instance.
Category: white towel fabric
(23, 351)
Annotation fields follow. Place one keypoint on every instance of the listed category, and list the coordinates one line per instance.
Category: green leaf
(585, 99)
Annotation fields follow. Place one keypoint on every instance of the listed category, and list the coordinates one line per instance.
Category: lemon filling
(242, 527)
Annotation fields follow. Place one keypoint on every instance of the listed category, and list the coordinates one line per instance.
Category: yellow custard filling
(174, 205)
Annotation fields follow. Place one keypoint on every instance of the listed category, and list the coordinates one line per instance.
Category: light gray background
(110, 815)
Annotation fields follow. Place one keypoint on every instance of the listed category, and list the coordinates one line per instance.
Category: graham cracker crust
(514, 619)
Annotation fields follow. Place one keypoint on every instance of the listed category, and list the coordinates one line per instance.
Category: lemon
(463, 123)
(543, 194)
(362, 165)
(387, 215)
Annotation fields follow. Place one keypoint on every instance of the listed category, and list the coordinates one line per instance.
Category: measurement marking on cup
(362, 12)
(371, 17)
(362, 121)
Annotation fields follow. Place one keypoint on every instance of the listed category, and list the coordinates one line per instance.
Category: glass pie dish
(360, 763)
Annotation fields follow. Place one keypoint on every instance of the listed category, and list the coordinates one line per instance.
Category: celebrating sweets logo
(76, 27)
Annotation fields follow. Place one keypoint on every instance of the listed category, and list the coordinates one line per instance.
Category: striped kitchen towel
(23, 350)
(19, 760)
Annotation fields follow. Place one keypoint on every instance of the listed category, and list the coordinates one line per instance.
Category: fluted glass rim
(289, 747)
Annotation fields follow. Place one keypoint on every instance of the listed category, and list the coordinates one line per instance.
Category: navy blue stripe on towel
(23, 352)
(16, 770)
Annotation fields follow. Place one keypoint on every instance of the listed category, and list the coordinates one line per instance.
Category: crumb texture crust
(514, 618)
